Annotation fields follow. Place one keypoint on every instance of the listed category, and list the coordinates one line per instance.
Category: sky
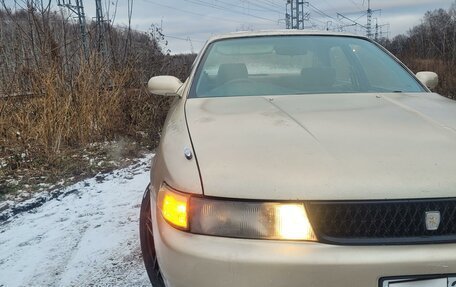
(188, 23)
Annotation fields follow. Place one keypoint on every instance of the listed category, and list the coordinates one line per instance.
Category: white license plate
(431, 281)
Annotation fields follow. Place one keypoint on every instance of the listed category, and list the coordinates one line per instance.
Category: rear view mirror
(164, 85)
(429, 79)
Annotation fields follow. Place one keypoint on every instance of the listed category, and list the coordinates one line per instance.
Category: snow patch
(85, 234)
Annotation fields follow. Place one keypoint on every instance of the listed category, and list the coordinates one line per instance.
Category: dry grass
(42, 134)
(72, 102)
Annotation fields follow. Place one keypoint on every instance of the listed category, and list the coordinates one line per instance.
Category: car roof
(243, 34)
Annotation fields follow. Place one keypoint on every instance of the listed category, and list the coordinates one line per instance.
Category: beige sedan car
(308, 159)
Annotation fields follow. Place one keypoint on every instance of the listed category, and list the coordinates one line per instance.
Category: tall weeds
(58, 100)
(430, 46)
(62, 116)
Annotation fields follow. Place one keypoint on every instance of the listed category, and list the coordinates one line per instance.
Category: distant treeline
(430, 45)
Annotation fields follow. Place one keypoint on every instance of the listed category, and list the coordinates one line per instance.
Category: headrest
(228, 72)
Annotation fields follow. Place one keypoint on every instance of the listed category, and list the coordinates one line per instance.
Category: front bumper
(194, 260)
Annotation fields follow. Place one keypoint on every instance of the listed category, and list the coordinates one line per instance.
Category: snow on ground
(87, 236)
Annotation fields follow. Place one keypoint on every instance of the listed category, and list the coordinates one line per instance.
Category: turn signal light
(174, 207)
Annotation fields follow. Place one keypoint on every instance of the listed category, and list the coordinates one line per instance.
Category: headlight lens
(243, 219)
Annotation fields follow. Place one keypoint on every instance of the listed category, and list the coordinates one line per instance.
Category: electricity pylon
(77, 7)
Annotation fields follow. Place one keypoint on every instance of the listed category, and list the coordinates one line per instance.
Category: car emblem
(432, 220)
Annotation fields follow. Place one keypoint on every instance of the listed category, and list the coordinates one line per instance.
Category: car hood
(325, 147)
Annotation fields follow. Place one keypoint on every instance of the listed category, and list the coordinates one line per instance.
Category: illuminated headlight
(229, 218)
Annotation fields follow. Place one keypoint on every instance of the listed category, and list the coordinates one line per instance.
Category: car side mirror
(429, 79)
(164, 85)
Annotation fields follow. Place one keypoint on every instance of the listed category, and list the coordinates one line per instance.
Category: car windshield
(287, 65)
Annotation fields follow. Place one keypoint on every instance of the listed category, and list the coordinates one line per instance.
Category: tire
(146, 236)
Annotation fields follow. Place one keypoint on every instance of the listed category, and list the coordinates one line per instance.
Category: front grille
(382, 222)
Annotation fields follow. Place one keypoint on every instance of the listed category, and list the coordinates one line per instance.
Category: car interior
(299, 68)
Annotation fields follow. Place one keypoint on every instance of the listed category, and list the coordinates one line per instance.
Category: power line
(166, 36)
(317, 20)
(339, 15)
(368, 28)
(224, 8)
(174, 8)
(266, 8)
(362, 15)
(324, 14)
(297, 11)
(183, 39)
(357, 5)
(192, 13)
(272, 3)
(230, 20)
(329, 4)
(170, 36)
